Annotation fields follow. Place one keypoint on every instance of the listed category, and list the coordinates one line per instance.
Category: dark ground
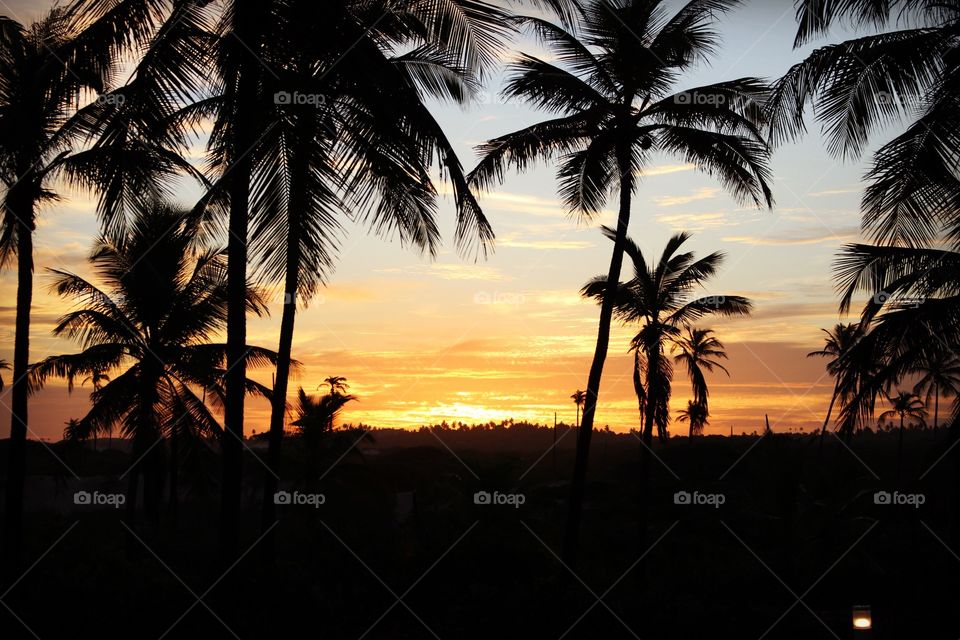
(399, 549)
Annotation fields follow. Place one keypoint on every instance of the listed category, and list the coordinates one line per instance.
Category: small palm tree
(837, 345)
(909, 409)
(578, 397)
(316, 422)
(939, 376)
(337, 384)
(4, 365)
(696, 415)
(659, 299)
(700, 350)
(164, 300)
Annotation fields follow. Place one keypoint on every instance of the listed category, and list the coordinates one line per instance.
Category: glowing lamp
(862, 620)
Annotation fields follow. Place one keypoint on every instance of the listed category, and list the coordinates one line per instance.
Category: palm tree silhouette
(3, 365)
(863, 85)
(696, 415)
(699, 349)
(618, 104)
(337, 385)
(578, 398)
(164, 299)
(837, 346)
(659, 299)
(905, 406)
(939, 376)
(361, 151)
(45, 69)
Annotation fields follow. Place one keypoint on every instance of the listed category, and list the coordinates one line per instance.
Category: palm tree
(338, 385)
(3, 365)
(659, 299)
(696, 415)
(867, 83)
(315, 421)
(699, 349)
(365, 148)
(939, 376)
(578, 398)
(164, 299)
(905, 406)
(46, 69)
(837, 346)
(616, 97)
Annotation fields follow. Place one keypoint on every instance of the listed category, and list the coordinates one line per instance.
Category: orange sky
(454, 340)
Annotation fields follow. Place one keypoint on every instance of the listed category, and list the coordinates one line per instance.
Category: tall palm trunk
(23, 206)
(174, 479)
(232, 482)
(646, 451)
(299, 166)
(578, 487)
(826, 421)
(900, 450)
(936, 403)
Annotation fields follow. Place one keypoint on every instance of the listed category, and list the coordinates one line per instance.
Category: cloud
(799, 236)
(665, 169)
(834, 192)
(516, 241)
(705, 193)
(696, 221)
(450, 271)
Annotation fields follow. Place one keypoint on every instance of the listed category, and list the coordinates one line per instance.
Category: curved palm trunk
(19, 392)
(900, 450)
(578, 485)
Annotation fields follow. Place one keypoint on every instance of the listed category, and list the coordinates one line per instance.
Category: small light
(862, 620)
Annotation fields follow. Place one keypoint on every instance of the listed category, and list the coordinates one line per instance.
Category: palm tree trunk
(936, 404)
(578, 485)
(900, 450)
(232, 442)
(174, 480)
(826, 421)
(16, 470)
(279, 401)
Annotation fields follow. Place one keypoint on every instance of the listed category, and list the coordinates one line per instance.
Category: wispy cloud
(705, 193)
(450, 271)
(799, 236)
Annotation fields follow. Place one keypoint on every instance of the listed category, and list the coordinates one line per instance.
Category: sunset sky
(457, 340)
